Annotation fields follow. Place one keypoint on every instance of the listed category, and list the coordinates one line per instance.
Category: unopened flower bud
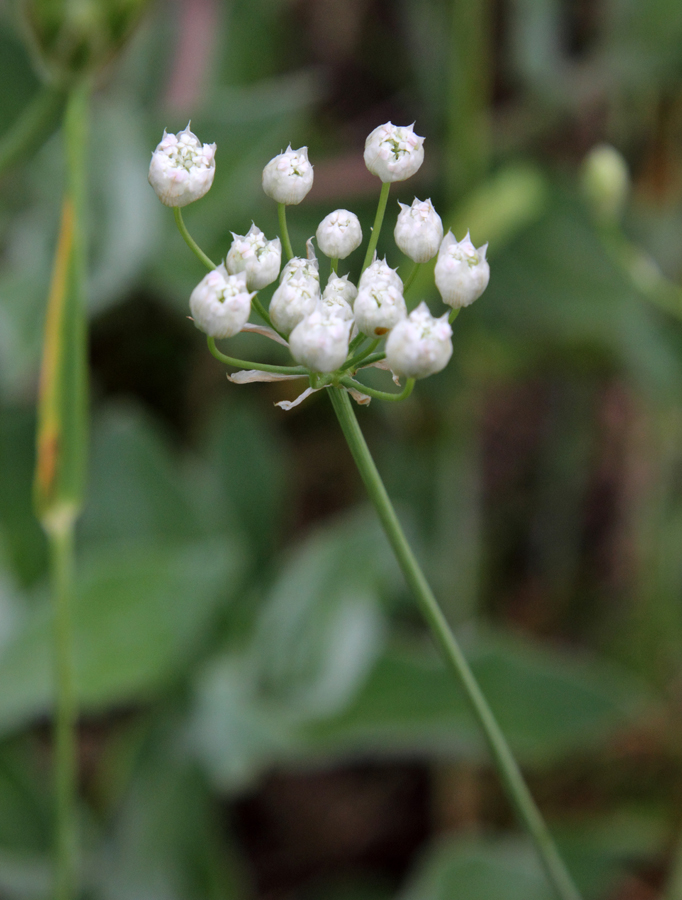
(606, 182)
(462, 271)
(320, 341)
(339, 233)
(220, 303)
(420, 345)
(287, 178)
(298, 268)
(182, 168)
(380, 271)
(393, 152)
(340, 286)
(333, 304)
(418, 231)
(378, 307)
(254, 254)
(295, 298)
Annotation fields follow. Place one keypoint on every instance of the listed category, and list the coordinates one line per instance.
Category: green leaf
(546, 704)
(139, 616)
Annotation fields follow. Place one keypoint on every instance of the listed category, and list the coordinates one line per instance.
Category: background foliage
(263, 712)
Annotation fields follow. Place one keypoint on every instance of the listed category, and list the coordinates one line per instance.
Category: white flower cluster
(319, 325)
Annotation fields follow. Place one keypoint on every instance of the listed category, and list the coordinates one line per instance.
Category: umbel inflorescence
(332, 330)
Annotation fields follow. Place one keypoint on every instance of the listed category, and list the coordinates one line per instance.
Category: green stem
(411, 277)
(374, 357)
(60, 537)
(378, 222)
(352, 363)
(284, 231)
(334, 265)
(189, 240)
(32, 127)
(261, 367)
(506, 765)
(380, 395)
(453, 315)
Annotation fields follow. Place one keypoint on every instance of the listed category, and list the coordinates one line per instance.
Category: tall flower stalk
(334, 334)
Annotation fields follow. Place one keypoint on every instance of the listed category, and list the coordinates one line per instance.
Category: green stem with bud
(507, 766)
(261, 367)
(189, 240)
(378, 222)
(349, 382)
(284, 231)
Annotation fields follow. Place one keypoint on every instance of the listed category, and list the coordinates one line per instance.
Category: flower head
(320, 340)
(380, 271)
(287, 178)
(295, 298)
(340, 286)
(298, 268)
(420, 345)
(378, 307)
(339, 233)
(394, 152)
(418, 231)
(220, 303)
(254, 254)
(462, 271)
(182, 168)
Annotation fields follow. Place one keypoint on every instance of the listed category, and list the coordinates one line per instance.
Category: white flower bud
(320, 341)
(378, 307)
(182, 168)
(295, 298)
(393, 152)
(418, 231)
(340, 286)
(333, 304)
(297, 268)
(254, 254)
(420, 345)
(462, 272)
(287, 178)
(220, 303)
(339, 233)
(380, 271)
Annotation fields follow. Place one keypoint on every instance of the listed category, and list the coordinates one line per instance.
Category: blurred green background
(264, 715)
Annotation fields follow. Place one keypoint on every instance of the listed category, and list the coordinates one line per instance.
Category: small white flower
(220, 303)
(420, 345)
(298, 268)
(339, 233)
(287, 178)
(320, 341)
(462, 271)
(182, 168)
(394, 152)
(380, 271)
(378, 307)
(295, 298)
(340, 286)
(418, 231)
(333, 304)
(254, 254)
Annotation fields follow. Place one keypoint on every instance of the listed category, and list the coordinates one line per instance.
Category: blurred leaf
(479, 868)
(139, 616)
(25, 810)
(546, 704)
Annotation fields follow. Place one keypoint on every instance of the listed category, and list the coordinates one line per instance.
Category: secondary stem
(504, 760)
(189, 240)
(349, 382)
(261, 367)
(378, 222)
(60, 538)
(410, 278)
(284, 231)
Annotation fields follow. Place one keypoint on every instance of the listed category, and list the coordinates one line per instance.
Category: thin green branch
(354, 361)
(33, 126)
(189, 240)
(348, 382)
(261, 367)
(378, 222)
(453, 315)
(411, 277)
(504, 760)
(284, 231)
(334, 265)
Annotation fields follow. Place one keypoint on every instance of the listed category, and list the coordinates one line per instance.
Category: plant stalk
(284, 231)
(505, 762)
(189, 240)
(378, 222)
